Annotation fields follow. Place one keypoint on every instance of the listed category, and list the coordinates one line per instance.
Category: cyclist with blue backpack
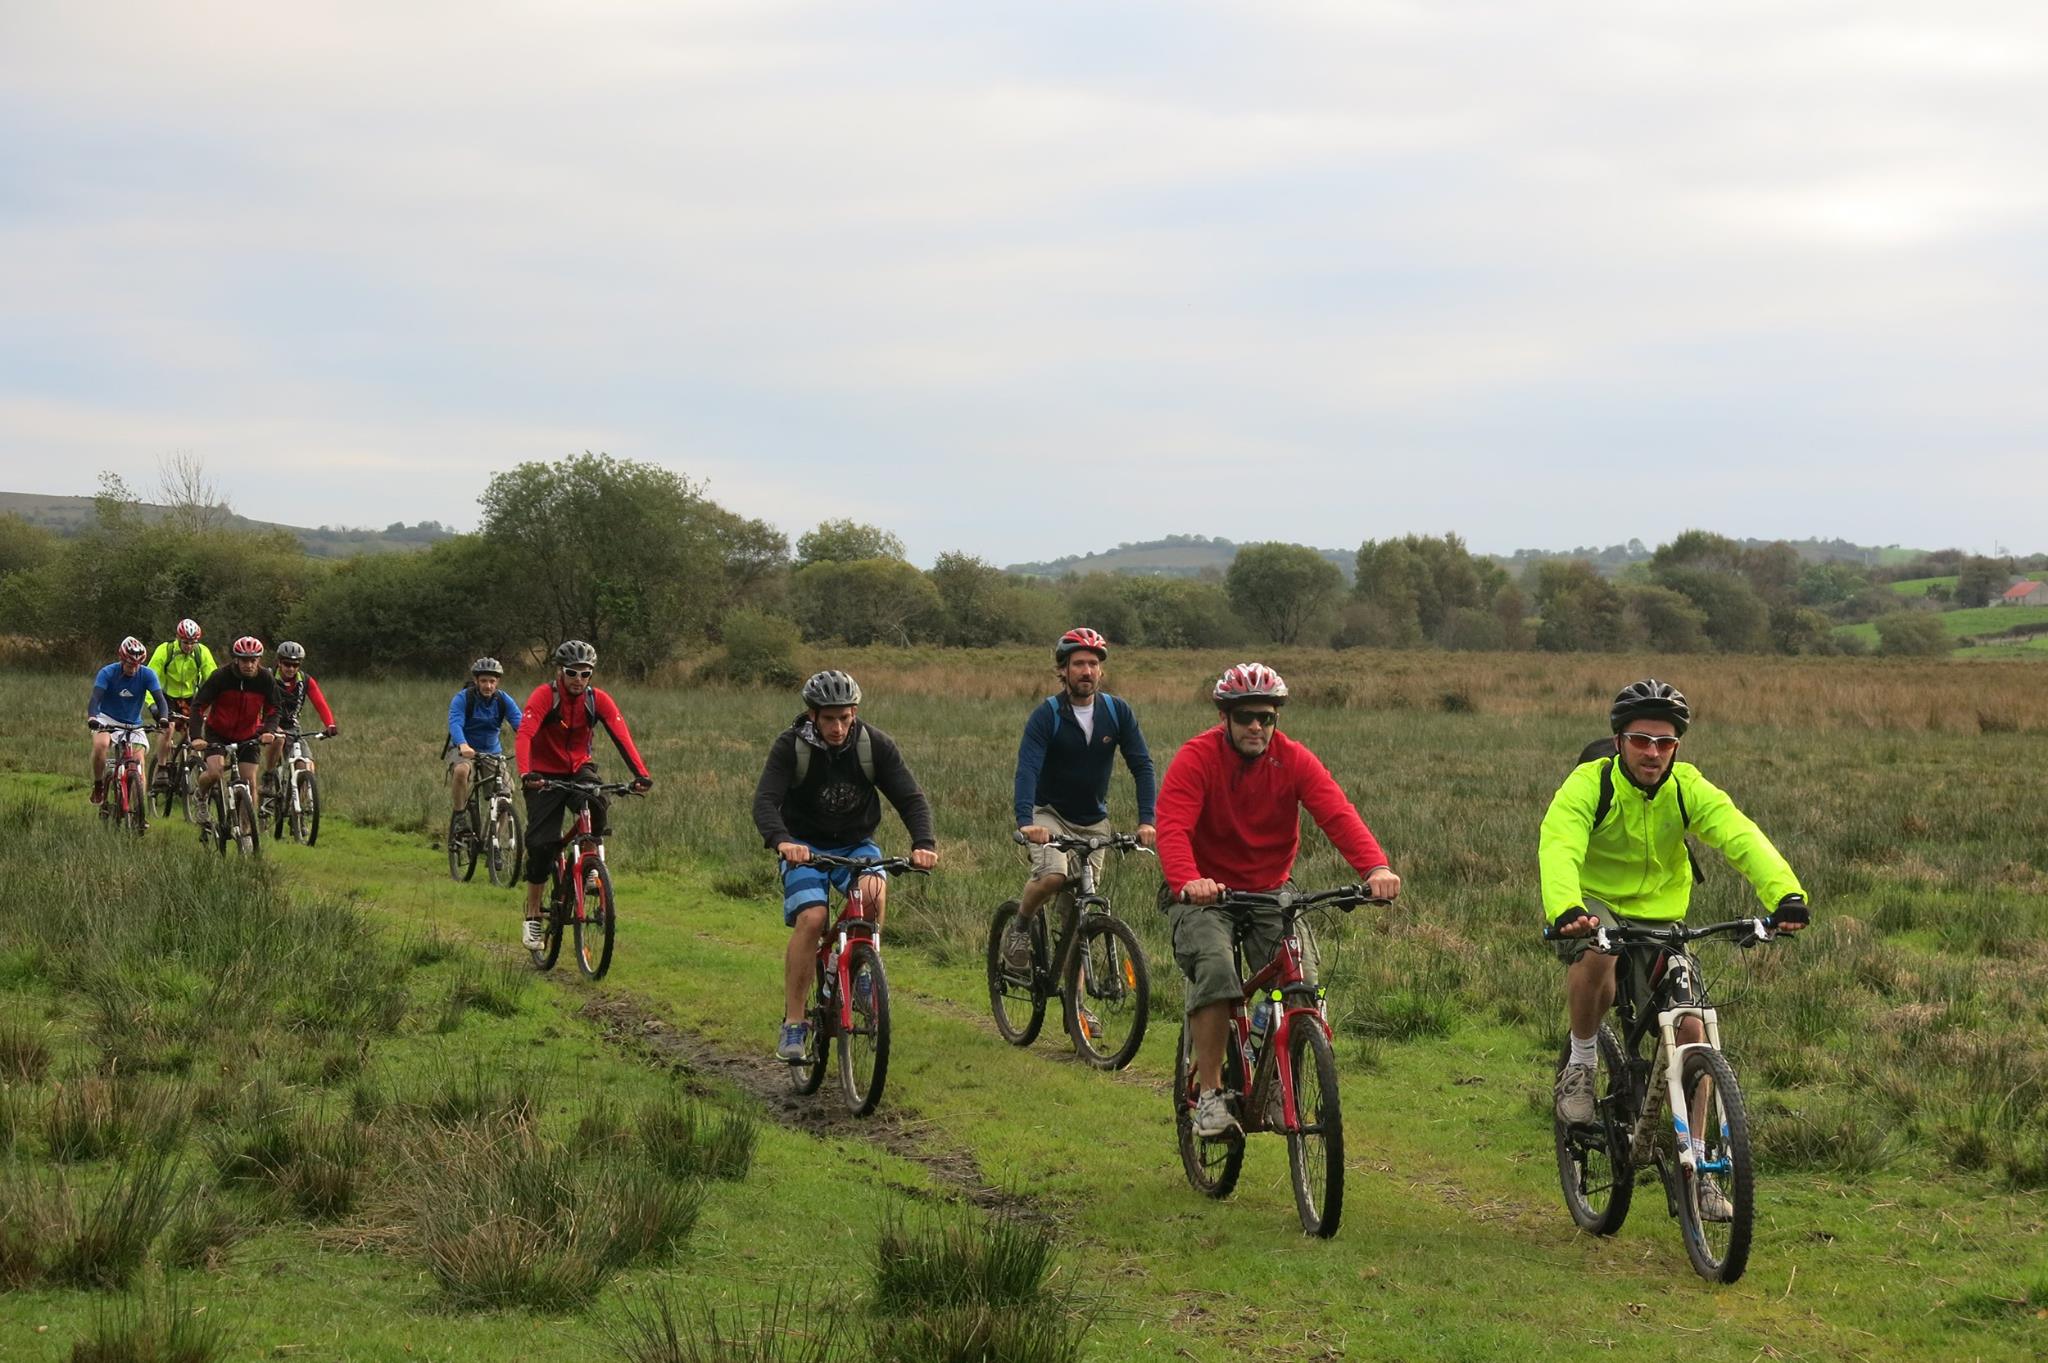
(477, 714)
(1064, 763)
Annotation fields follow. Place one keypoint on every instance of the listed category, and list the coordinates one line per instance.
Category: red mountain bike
(580, 899)
(850, 995)
(127, 796)
(1292, 1086)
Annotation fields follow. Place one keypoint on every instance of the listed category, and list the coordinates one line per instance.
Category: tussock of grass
(785, 1331)
(105, 1237)
(683, 1142)
(1821, 1134)
(202, 1232)
(970, 1289)
(494, 986)
(24, 1051)
(92, 1117)
(154, 1329)
(479, 1094)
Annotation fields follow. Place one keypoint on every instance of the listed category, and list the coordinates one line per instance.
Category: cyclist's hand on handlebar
(1202, 892)
(1148, 836)
(1032, 832)
(795, 853)
(1791, 914)
(1575, 922)
(465, 751)
(1383, 883)
(533, 781)
(642, 784)
(924, 858)
(330, 731)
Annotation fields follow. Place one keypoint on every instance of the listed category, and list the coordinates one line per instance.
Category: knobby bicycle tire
(507, 841)
(596, 918)
(306, 816)
(864, 1050)
(134, 801)
(462, 849)
(216, 807)
(1212, 1163)
(1107, 977)
(1315, 1146)
(557, 916)
(1593, 1167)
(248, 831)
(1719, 1250)
(1018, 1005)
(807, 1074)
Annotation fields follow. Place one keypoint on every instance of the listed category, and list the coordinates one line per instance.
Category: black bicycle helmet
(575, 653)
(289, 652)
(1649, 699)
(829, 688)
(487, 667)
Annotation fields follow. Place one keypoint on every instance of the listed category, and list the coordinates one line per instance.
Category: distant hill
(70, 515)
(1174, 556)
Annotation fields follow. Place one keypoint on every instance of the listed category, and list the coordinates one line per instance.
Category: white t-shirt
(1084, 715)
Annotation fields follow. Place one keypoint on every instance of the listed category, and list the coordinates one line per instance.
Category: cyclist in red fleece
(1229, 819)
(234, 712)
(555, 734)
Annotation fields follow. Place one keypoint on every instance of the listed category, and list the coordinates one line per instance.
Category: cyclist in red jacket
(1229, 819)
(234, 711)
(296, 687)
(555, 733)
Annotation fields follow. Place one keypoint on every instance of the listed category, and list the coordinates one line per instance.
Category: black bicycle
(487, 827)
(1094, 965)
(1710, 1188)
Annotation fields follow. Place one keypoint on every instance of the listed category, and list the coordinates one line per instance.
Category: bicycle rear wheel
(1017, 1004)
(1315, 1146)
(1719, 1249)
(595, 919)
(864, 1050)
(504, 844)
(1108, 992)
(1212, 1162)
(1593, 1165)
(461, 847)
(306, 814)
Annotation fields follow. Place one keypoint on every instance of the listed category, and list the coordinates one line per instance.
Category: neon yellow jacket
(1635, 861)
(181, 673)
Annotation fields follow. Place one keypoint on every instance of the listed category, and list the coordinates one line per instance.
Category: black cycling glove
(1791, 909)
(1567, 918)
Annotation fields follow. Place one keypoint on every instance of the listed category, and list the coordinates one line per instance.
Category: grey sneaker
(1575, 1095)
(1212, 1115)
(1017, 946)
(1714, 1204)
(793, 1046)
(534, 935)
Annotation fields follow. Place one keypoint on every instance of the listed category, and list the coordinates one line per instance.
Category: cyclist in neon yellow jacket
(1613, 846)
(182, 664)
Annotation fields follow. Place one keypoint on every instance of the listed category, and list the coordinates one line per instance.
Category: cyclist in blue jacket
(475, 715)
(1064, 764)
(117, 695)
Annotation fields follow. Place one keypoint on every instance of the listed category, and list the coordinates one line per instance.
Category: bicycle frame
(124, 755)
(852, 925)
(1082, 901)
(1674, 987)
(1278, 981)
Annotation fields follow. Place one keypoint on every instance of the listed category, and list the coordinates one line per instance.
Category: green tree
(972, 600)
(1511, 608)
(1582, 612)
(433, 610)
(1283, 590)
(1468, 629)
(1666, 621)
(1735, 617)
(1802, 629)
(871, 601)
(760, 649)
(846, 541)
(1913, 634)
(1979, 580)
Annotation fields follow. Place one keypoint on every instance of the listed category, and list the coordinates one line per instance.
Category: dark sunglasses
(1262, 719)
(582, 672)
(1646, 742)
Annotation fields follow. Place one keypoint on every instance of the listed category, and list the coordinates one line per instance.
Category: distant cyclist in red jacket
(295, 687)
(1229, 819)
(235, 713)
(555, 734)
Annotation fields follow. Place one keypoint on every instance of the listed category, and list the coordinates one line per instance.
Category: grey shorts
(1047, 860)
(1201, 947)
(1569, 949)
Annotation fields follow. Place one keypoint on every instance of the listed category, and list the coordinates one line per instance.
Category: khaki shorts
(1201, 947)
(1569, 949)
(1047, 860)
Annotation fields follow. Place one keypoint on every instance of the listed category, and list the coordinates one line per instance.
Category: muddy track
(702, 1067)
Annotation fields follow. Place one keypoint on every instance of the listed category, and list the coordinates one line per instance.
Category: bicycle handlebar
(320, 734)
(1094, 842)
(889, 865)
(100, 728)
(1756, 929)
(1345, 897)
(587, 787)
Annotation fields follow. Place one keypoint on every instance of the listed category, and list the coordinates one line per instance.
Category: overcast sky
(1033, 279)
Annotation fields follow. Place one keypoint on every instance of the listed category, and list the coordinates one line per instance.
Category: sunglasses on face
(1651, 742)
(1262, 719)
(582, 672)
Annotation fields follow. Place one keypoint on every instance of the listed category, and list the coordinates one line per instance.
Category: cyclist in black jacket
(821, 791)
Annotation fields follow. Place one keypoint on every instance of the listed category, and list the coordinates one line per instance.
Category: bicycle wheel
(217, 809)
(551, 933)
(1214, 1162)
(1593, 1165)
(864, 1051)
(134, 800)
(165, 798)
(1108, 992)
(248, 831)
(805, 1075)
(1719, 1249)
(1017, 1004)
(503, 844)
(461, 848)
(185, 783)
(1315, 1146)
(596, 918)
(306, 816)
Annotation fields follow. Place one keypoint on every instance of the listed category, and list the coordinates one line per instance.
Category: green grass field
(1918, 586)
(1896, 1058)
(1975, 622)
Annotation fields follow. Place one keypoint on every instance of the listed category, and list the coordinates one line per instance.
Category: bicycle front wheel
(306, 810)
(1212, 1162)
(1315, 1143)
(248, 827)
(1108, 993)
(595, 919)
(506, 842)
(1716, 1197)
(864, 1050)
(807, 1074)
(216, 809)
(185, 788)
(1593, 1165)
(461, 848)
(134, 800)
(1014, 998)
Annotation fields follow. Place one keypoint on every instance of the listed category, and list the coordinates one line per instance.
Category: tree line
(636, 559)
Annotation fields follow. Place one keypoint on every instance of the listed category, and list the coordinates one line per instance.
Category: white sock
(1583, 1050)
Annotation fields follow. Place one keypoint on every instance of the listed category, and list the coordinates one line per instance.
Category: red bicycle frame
(1279, 980)
(125, 763)
(852, 925)
(570, 865)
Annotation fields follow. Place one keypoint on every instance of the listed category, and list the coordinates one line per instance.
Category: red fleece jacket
(1225, 819)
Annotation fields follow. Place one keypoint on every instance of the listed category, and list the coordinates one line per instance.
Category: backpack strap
(862, 744)
(803, 763)
(1606, 792)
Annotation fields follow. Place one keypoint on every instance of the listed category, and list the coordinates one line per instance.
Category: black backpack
(1601, 749)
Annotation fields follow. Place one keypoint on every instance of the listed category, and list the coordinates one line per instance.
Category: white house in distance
(2026, 592)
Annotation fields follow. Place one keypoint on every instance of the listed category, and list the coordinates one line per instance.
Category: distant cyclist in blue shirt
(476, 714)
(117, 694)
(1064, 764)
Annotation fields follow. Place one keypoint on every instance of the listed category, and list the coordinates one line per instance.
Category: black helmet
(575, 653)
(487, 667)
(289, 652)
(826, 689)
(1650, 699)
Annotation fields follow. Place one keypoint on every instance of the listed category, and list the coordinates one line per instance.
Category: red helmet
(133, 649)
(1250, 681)
(189, 631)
(1076, 639)
(248, 646)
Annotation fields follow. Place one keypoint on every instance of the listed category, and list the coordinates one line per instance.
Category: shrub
(1912, 634)
(760, 650)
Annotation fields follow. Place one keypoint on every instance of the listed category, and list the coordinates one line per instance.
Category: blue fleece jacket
(1060, 767)
(476, 721)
